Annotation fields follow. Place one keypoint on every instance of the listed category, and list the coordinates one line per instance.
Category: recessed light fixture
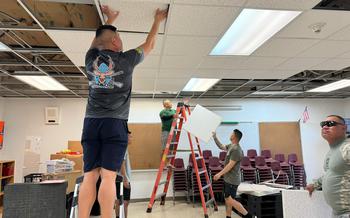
(42, 82)
(251, 29)
(332, 86)
(199, 84)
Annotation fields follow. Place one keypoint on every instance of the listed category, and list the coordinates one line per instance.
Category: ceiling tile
(343, 34)
(150, 61)
(201, 20)
(135, 15)
(72, 41)
(345, 55)
(179, 45)
(211, 2)
(223, 62)
(327, 49)
(262, 63)
(300, 63)
(145, 84)
(170, 85)
(180, 62)
(175, 73)
(134, 40)
(77, 58)
(285, 4)
(144, 73)
(300, 27)
(283, 47)
(333, 64)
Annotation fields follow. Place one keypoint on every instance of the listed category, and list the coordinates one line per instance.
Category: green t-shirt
(167, 115)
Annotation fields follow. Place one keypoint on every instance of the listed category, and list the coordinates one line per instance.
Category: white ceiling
(194, 26)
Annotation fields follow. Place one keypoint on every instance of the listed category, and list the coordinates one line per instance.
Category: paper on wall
(202, 123)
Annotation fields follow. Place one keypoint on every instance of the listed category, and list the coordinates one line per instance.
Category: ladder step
(207, 186)
(177, 130)
(162, 182)
(210, 201)
(173, 143)
(201, 172)
(198, 158)
(170, 156)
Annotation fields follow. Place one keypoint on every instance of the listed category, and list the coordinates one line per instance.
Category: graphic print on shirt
(103, 75)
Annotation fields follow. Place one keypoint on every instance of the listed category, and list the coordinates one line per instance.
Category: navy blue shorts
(104, 143)
(230, 190)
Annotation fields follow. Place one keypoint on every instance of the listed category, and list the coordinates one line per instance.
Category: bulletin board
(281, 137)
(145, 148)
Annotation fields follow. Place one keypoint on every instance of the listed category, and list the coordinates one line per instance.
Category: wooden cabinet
(7, 172)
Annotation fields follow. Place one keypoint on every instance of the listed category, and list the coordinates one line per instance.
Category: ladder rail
(162, 163)
(172, 161)
(182, 110)
(207, 178)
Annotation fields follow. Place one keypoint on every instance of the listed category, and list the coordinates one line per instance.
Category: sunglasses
(329, 123)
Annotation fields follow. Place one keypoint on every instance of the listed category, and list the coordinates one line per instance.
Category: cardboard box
(75, 146)
(78, 159)
(69, 176)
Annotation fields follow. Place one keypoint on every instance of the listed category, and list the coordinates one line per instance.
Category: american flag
(306, 116)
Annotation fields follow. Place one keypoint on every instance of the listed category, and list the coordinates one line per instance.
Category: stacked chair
(214, 168)
(251, 153)
(268, 157)
(284, 166)
(264, 172)
(222, 156)
(179, 177)
(206, 155)
(298, 171)
(194, 189)
(248, 173)
(279, 175)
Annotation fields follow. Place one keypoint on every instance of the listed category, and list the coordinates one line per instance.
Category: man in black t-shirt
(105, 135)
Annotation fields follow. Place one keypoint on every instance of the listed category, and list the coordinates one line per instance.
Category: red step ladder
(180, 118)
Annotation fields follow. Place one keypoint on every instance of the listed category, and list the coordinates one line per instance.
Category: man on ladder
(204, 186)
(231, 173)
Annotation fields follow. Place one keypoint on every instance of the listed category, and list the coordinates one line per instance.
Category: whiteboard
(298, 203)
(202, 123)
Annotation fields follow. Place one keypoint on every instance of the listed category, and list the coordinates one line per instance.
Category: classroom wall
(25, 118)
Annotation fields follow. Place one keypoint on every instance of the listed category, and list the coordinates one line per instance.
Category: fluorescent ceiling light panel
(276, 93)
(332, 86)
(42, 82)
(4, 47)
(251, 29)
(199, 84)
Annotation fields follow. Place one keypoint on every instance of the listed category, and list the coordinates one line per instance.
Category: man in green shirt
(231, 172)
(167, 116)
(335, 182)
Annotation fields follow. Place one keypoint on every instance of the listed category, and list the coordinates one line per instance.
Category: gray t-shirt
(336, 180)
(110, 82)
(235, 153)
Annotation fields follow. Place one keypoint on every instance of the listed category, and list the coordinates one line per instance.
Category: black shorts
(104, 143)
(126, 192)
(230, 190)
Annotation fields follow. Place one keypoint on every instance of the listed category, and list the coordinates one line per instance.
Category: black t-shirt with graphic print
(110, 82)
